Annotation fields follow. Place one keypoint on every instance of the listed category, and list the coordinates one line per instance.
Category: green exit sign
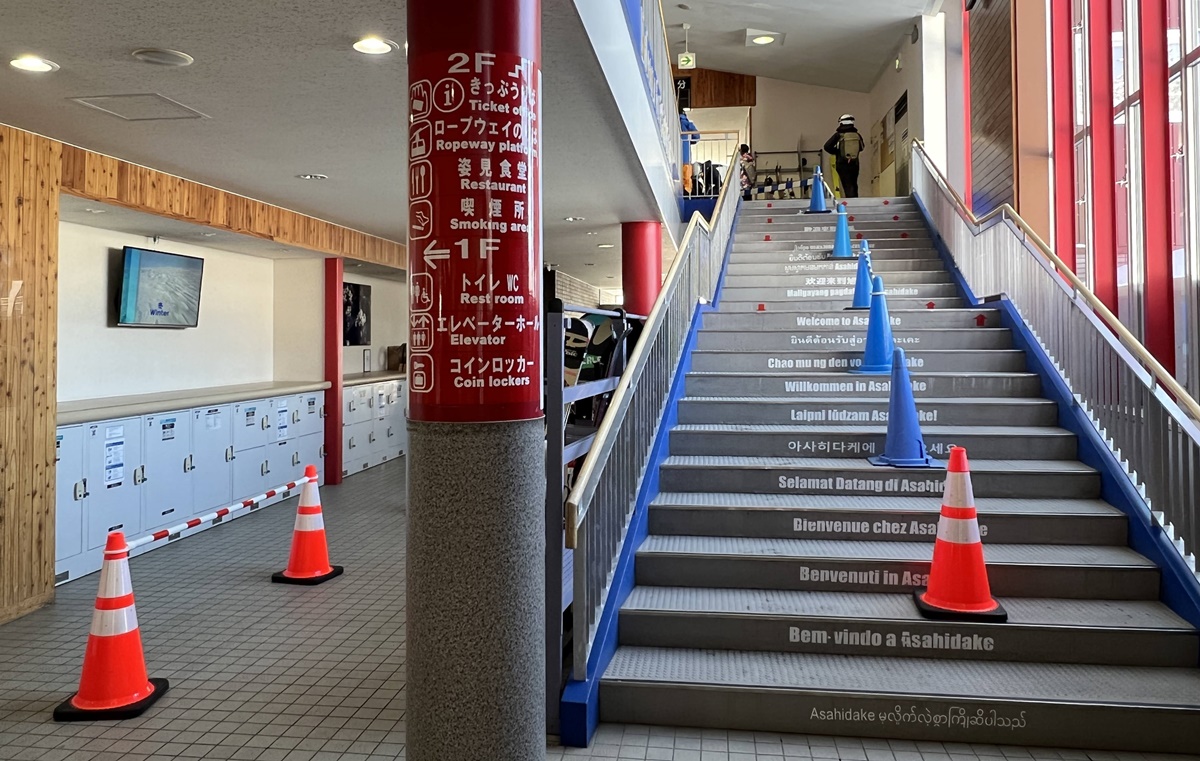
(687, 60)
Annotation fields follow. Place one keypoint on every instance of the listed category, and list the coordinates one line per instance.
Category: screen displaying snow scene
(160, 289)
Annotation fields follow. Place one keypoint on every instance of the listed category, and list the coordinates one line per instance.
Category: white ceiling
(842, 44)
(287, 95)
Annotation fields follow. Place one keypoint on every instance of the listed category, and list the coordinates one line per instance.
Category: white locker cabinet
(308, 417)
(387, 432)
(250, 473)
(400, 413)
(212, 458)
(252, 425)
(356, 447)
(114, 473)
(71, 492)
(281, 417)
(167, 498)
(381, 393)
(310, 450)
(359, 404)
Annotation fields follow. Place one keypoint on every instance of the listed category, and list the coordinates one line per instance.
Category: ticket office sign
(475, 238)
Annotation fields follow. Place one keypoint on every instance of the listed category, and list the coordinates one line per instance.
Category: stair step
(801, 385)
(826, 475)
(908, 319)
(1064, 705)
(898, 519)
(961, 360)
(993, 411)
(1124, 633)
(890, 202)
(882, 267)
(830, 565)
(1002, 442)
(833, 279)
(732, 306)
(801, 292)
(852, 338)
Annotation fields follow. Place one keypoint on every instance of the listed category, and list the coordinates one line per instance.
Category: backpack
(850, 146)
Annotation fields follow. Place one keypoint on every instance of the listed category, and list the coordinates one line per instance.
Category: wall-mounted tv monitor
(160, 290)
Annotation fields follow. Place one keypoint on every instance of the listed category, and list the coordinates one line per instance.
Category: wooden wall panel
(993, 151)
(109, 180)
(717, 89)
(30, 171)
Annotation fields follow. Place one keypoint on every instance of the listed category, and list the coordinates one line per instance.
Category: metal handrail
(1135, 347)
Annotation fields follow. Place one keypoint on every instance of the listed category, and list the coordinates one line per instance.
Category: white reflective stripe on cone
(958, 490)
(309, 496)
(958, 530)
(310, 522)
(114, 579)
(109, 623)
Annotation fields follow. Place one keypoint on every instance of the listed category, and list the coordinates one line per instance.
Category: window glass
(1080, 64)
(1174, 31)
(1191, 23)
(1083, 211)
(1133, 64)
(1121, 170)
(1118, 51)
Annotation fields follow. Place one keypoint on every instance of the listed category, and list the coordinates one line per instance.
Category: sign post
(476, 475)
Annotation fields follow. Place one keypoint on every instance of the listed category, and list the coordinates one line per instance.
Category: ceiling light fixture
(33, 64)
(313, 176)
(375, 46)
(593, 232)
(574, 219)
(763, 39)
(96, 211)
(163, 57)
(208, 235)
(607, 245)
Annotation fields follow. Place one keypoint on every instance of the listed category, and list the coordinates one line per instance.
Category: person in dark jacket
(846, 146)
(690, 136)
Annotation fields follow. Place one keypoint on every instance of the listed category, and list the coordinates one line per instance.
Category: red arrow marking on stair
(769, 220)
(903, 235)
(767, 238)
(851, 219)
(930, 305)
(896, 218)
(980, 320)
(770, 205)
(887, 203)
(858, 237)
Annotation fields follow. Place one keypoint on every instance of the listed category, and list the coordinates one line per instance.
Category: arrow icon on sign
(433, 254)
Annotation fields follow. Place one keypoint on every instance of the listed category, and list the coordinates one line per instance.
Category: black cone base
(68, 712)
(997, 616)
(311, 581)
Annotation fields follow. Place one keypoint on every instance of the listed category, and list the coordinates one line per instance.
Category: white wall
(233, 343)
(788, 112)
(389, 321)
(299, 331)
(957, 139)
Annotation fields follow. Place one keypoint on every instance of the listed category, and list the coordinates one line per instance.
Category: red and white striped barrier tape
(217, 515)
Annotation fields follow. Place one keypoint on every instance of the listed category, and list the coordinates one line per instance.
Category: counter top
(382, 376)
(114, 407)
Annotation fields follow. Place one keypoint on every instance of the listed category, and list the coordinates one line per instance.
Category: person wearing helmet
(846, 147)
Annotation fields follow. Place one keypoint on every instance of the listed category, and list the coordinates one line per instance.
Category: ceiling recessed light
(593, 232)
(33, 64)
(607, 245)
(163, 57)
(612, 277)
(375, 46)
(208, 235)
(574, 219)
(96, 211)
(763, 39)
(313, 176)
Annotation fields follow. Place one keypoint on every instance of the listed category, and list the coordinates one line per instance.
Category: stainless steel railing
(600, 506)
(1149, 420)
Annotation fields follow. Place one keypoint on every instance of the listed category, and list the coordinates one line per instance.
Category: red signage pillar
(476, 465)
(641, 265)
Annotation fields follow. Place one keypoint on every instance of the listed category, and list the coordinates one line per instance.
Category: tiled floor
(270, 672)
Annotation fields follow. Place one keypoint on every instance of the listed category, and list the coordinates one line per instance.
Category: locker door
(356, 447)
(212, 458)
(311, 452)
(70, 492)
(400, 414)
(249, 473)
(283, 463)
(114, 474)
(309, 413)
(252, 425)
(167, 444)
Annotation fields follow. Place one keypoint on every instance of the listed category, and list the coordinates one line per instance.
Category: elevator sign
(474, 238)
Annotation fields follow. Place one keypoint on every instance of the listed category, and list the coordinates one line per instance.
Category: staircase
(774, 590)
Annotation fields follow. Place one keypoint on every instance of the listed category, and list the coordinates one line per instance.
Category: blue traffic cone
(841, 239)
(862, 283)
(877, 358)
(817, 204)
(905, 447)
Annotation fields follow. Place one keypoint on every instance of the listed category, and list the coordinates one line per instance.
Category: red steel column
(641, 265)
(334, 268)
(1158, 301)
(476, 648)
(1104, 188)
(1062, 85)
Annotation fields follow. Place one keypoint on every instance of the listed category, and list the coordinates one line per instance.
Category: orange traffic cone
(958, 584)
(114, 683)
(309, 560)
